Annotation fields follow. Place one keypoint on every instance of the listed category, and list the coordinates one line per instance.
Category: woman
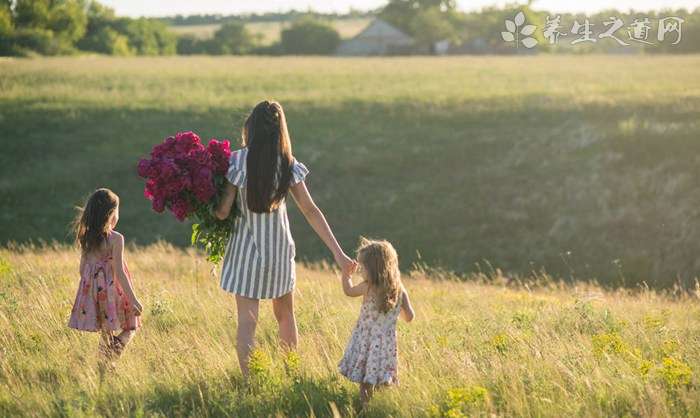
(259, 260)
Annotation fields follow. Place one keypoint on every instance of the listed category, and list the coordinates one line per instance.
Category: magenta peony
(220, 152)
(183, 173)
(187, 178)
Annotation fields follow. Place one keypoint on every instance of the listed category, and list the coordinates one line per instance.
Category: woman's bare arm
(318, 222)
(118, 258)
(223, 209)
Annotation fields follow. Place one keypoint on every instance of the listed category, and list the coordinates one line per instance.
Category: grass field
(474, 349)
(269, 32)
(586, 166)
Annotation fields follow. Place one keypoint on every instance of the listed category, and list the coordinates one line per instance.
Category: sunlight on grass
(475, 348)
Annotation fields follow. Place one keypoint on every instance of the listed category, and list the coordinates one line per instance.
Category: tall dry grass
(475, 349)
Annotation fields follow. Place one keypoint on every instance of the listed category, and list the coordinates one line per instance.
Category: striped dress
(259, 260)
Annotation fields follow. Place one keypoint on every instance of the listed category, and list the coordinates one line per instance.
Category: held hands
(347, 265)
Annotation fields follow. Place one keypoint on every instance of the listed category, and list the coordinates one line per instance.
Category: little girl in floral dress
(105, 301)
(371, 356)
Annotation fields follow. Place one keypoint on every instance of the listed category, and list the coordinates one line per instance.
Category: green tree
(402, 13)
(308, 36)
(188, 44)
(26, 41)
(100, 24)
(430, 26)
(6, 21)
(107, 41)
(148, 36)
(484, 28)
(47, 26)
(32, 13)
(68, 21)
(233, 38)
(6, 29)
(690, 34)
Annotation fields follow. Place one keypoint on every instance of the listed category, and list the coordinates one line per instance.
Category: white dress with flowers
(259, 260)
(371, 356)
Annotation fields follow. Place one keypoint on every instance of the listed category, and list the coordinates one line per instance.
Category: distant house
(378, 38)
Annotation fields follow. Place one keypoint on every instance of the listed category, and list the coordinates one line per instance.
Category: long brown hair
(380, 260)
(269, 160)
(92, 223)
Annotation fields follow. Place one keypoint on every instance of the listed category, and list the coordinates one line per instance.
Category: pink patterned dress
(101, 304)
(372, 353)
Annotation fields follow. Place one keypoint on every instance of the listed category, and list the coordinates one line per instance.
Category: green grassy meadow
(476, 348)
(584, 166)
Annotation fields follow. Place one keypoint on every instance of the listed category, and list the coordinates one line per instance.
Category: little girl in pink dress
(105, 301)
(371, 356)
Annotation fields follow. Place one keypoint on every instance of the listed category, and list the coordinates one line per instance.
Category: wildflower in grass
(292, 364)
(5, 268)
(669, 347)
(260, 366)
(675, 372)
(645, 367)
(461, 401)
(608, 343)
(500, 343)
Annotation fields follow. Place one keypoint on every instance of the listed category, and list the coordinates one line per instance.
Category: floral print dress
(371, 356)
(101, 304)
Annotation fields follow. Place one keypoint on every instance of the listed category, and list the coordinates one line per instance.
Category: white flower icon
(513, 34)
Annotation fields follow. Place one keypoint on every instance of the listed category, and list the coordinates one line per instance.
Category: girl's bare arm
(349, 289)
(118, 257)
(407, 312)
(223, 209)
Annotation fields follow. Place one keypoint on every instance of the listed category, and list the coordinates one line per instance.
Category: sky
(135, 8)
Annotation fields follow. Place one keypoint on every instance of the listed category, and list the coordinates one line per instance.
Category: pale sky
(185, 7)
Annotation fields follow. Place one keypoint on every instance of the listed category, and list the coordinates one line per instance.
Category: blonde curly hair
(381, 262)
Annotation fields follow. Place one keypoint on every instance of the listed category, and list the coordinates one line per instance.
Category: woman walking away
(259, 259)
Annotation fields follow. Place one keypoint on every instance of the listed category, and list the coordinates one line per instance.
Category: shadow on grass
(225, 396)
(584, 191)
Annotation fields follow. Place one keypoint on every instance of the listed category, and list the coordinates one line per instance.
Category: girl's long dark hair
(269, 160)
(92, 222)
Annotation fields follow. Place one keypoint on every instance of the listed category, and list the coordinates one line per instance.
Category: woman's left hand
(345, 263)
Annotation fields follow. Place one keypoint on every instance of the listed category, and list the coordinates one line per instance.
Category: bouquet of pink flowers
(188, 178)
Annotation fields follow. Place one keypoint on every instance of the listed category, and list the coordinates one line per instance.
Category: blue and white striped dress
(259, 260)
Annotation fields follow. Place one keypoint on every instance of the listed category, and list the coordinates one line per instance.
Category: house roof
(381, 30)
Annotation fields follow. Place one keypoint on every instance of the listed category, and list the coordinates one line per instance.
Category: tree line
(54, 27)
(59, 27)
(305, 36)
(289, 16)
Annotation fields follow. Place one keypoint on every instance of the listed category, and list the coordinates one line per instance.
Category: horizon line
(370, 11)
